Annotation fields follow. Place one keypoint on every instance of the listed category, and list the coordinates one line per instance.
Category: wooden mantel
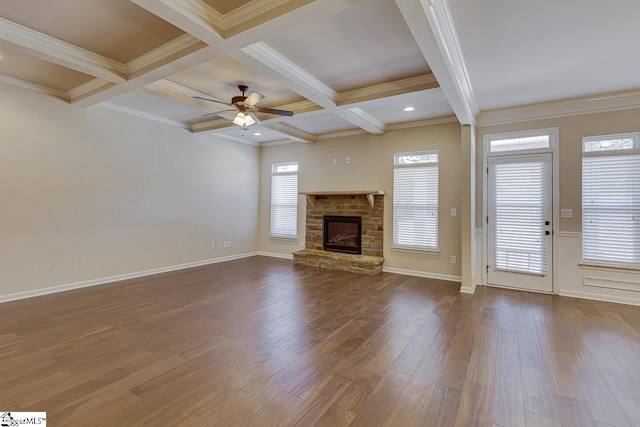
(311, 195)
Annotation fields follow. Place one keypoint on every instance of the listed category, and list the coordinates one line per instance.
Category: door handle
(547, 223)
(547, 232)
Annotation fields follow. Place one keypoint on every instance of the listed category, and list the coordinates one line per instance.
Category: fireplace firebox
(342, 234)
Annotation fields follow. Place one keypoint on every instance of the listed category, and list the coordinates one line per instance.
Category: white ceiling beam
(165, 54)
(432, 26)
(364, 120)
(195, 17)
(302, 15)
(388, 89)
(290, 132)
(284, 70)
(62, 53)
(267, 60)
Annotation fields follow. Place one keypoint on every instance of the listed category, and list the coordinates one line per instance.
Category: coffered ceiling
(342, 66)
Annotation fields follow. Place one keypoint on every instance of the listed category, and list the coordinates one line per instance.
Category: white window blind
(415, 200)
(520, 210)
(284, 199)
(611, 201)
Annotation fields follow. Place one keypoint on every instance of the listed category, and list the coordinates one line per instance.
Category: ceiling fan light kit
(246, 107)
(243, 119)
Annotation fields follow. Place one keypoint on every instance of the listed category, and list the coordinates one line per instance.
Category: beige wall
(372, 168)
(92, 193)
(572, 130)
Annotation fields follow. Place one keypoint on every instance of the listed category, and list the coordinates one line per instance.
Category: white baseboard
(275, 255)
(598, 297)
(117, 278)
(426, 274)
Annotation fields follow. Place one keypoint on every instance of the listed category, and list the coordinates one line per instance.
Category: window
(284, 199)
(522, 143)
(611, 200)
(415, 200)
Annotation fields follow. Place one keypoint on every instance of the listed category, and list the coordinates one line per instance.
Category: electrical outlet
(453, 259)
(348, 160)
(301, 244)
(335, 161)
(213, 245)
(454, 212)
(566, 213)
(227, 243)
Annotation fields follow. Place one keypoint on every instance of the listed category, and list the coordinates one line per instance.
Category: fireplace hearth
(342, 234)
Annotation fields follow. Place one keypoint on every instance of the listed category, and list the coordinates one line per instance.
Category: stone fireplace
(335, 221)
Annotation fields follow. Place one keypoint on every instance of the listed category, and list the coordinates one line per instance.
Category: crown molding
(195, 17)
(252, 10)
(142, 114)
(236, 139)
(388, 89)
(432, 27)
(164, 54)
(342, 134)
(34, 87)
(274, 143)
(291, 133)
(421, 123)
(563, 108)
(87, 89)
(62, 53)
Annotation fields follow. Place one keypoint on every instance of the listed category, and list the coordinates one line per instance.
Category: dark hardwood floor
(260, 342)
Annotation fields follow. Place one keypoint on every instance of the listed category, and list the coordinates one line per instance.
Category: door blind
(520, 210)
(415, 206)
(611, 209)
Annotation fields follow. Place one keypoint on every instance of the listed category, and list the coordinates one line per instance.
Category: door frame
(554, 138)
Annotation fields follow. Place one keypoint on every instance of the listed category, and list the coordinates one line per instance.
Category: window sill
(283, 237)
(421, 250)
(601, 267)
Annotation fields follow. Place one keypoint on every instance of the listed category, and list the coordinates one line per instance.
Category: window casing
(611, 201)
(284, 200)
(415, 200)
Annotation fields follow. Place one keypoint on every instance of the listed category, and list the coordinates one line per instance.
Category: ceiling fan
(246, 107)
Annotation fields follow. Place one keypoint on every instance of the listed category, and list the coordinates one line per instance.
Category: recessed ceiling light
(257, 134)
(407, 109)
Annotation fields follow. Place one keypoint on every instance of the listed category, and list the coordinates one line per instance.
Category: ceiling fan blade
(258, 122)
(217, 113)
(274, 111)
(212, 100)
(253, 99)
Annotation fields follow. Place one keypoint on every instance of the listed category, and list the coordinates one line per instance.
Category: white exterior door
(519, 222)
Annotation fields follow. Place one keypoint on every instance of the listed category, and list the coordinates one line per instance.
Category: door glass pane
(520, 243)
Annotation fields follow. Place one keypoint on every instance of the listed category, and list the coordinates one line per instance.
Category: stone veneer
(370, 262)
